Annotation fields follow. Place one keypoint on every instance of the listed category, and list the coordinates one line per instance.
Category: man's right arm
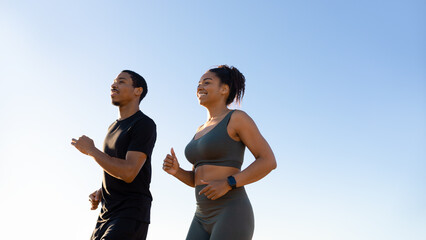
(125, 170)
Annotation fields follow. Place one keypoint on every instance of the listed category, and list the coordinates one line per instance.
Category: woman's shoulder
(240, 116)
(239, 113)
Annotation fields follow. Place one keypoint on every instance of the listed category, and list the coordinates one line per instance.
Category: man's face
(122, 90)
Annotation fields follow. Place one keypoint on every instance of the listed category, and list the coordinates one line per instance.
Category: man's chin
(115, 103)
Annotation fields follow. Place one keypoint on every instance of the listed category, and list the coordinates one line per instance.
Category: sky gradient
(337, 88)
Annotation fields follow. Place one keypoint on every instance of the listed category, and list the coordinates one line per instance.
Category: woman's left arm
(246, 129)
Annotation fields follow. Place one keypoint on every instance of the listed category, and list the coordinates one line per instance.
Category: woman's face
(210, 90)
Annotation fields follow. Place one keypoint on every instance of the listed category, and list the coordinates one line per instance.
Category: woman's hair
(234, 79)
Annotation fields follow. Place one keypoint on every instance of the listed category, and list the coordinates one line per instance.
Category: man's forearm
(116, 167)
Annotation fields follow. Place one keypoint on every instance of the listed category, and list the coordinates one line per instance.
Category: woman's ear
(224, 89)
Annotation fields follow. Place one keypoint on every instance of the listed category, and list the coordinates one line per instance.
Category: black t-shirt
(121, 199)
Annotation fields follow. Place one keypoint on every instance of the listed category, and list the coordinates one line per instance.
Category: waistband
(233, 194)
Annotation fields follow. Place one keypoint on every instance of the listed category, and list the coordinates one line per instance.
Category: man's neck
(127, 110)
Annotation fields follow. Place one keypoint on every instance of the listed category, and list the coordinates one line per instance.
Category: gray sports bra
(216, 147)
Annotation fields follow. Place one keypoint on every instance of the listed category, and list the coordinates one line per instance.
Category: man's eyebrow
(120, 78)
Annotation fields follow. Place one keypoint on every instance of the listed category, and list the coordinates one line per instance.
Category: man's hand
(95, 199)
(84, 144)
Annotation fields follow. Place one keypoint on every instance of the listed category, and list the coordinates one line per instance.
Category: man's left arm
(124, 169)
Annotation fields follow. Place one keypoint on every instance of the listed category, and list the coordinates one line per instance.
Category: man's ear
(138, 91)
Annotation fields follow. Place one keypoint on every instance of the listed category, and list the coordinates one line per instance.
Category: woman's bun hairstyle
(234, 79)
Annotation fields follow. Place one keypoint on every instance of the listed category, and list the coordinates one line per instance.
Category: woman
(216, 152)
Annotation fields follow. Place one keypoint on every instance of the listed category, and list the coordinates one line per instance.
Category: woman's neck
(216, 112)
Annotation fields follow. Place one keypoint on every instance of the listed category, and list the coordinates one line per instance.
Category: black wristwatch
(231, 182)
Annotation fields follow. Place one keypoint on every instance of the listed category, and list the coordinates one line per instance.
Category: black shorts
(119, 229)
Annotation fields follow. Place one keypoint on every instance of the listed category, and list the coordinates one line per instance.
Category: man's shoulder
(145, 121)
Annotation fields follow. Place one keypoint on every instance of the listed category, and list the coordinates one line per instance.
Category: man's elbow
(129, 178)
(131, 172)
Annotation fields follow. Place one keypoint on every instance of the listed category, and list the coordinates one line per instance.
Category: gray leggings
(229, 217)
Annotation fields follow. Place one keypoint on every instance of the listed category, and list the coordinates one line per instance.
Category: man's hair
(138, 81)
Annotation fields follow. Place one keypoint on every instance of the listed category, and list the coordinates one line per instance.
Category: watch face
(231, 181)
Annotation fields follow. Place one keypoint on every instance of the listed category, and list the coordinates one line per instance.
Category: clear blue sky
(338, 88)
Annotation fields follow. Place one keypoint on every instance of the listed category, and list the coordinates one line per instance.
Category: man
(126, 161)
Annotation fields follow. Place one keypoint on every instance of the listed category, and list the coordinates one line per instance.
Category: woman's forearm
(186, 177)
(255, 171)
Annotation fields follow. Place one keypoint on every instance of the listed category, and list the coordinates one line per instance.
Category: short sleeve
(142, 136)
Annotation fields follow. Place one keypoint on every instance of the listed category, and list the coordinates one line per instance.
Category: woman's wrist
(232, 182)
(177, 172)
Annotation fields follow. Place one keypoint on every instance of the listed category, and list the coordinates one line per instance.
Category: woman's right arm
(171, 166)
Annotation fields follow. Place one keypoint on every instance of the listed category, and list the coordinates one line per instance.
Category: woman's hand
(171, 164)
(215, 189)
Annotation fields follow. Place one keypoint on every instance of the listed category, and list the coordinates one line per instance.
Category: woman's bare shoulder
(240, 115)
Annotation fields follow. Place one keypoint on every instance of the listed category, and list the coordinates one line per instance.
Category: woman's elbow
(273, 163)
(269, 163)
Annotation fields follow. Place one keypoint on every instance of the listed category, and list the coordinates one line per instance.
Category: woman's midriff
(212, 172)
